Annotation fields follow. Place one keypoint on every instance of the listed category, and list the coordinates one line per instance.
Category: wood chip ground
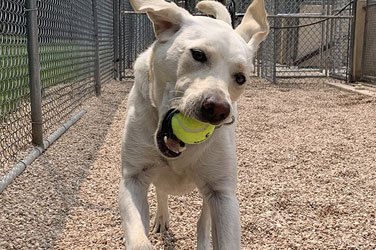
(307, 177)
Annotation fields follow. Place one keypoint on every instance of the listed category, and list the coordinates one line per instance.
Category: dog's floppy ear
(215, 9)
(166, 17)
(254, 26)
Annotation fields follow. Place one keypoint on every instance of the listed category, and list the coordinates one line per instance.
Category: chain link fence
(308, 41)
(14, 92)
(136, 34)
(75, 55)
(106, 39)
(82, 44)
(369, 51)
(67, 57)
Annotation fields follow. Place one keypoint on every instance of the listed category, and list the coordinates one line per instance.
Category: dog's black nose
(215, 109)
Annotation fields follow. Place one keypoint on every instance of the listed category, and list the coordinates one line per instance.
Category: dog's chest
(174, 179)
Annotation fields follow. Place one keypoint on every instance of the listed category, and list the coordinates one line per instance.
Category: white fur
(178, 81)
(216, 9)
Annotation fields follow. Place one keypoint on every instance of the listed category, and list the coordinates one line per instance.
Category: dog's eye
(198, 55)
(240, 78)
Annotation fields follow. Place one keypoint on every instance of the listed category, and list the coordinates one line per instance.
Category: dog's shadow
(169, 240)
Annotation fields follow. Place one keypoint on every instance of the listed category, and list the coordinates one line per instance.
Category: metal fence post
(97, 80)
(276, 23)
(350, 57)
(34, 73)
(117, 71)
(366, 30)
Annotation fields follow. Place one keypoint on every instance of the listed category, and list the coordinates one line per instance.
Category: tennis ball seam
(191, 130)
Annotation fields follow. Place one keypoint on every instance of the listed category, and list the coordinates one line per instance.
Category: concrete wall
(359, 40)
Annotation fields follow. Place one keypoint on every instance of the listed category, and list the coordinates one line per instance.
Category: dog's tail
(215, 9)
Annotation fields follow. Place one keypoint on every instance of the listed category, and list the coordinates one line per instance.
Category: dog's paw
(161, 223)
(138, 242)
(141, 246)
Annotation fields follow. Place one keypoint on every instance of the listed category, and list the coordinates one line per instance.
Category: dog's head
(199, 66)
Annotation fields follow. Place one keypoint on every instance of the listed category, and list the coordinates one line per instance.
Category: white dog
(198, 66)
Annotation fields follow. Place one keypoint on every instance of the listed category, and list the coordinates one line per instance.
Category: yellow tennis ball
(189, 130)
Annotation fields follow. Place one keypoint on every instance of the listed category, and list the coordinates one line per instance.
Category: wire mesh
(298, 47)
(369, 59)
(15, 121)
(67, 40)
(299, 52)
(189, 5)
(106, 39)
(340, 39)
(136, 34)
(309, 39)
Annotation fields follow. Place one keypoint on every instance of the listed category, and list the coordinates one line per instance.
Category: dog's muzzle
(214, 109)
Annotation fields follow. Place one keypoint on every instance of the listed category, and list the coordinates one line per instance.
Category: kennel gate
(308, 40)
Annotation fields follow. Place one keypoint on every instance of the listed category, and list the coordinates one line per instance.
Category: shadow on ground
(35, 207)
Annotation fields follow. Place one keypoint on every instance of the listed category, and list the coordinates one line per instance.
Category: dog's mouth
(168, 144)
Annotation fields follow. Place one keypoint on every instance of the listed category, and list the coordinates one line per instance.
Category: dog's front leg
(216, 179)
(219, 195)
(161, 220)
(203, 228)
(225, 220)
(134, 210)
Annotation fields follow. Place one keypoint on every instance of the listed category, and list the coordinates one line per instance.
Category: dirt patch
(307, 179)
